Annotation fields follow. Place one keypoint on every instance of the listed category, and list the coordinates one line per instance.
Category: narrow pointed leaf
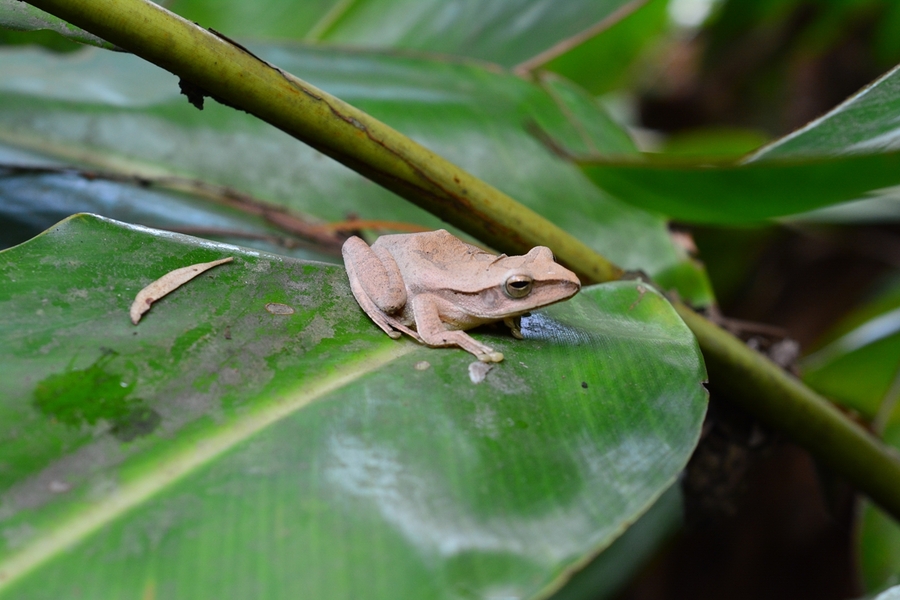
(734, 194)
(848, 154)
(860, 363)
(866, 122)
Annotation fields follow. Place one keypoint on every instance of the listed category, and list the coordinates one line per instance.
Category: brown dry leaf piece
(167, 283)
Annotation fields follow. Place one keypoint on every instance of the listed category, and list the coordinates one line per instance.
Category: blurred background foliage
(751, 71)
(716, 79)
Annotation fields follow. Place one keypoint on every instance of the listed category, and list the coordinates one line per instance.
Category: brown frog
(440, 286)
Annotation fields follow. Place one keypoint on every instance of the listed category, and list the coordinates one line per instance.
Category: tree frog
(433, 286)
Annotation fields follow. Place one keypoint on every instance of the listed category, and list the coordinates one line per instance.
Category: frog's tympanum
(433, 286)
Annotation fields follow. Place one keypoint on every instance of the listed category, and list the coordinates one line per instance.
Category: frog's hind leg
(384, 291)
(376, 272)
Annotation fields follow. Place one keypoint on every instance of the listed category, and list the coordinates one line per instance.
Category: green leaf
(622, 561)
(864, 123)
(843, 156)
(257, 436)
(604, 62)
(735, 194)
(879, 544)
(889, 594)
(859, 362)
(713, 143)
(20, 16)
(879, 534)
(261, 19)
(80, 106)
(505, 32)
(858, 366)
(877, 208)
(32, 198)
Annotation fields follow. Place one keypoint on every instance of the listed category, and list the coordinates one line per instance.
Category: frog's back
(439, 246)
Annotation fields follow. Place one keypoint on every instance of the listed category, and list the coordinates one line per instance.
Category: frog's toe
(394, 335)
(514, 324)
(490, 357)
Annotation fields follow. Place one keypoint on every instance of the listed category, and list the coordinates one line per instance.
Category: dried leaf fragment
(169, 282)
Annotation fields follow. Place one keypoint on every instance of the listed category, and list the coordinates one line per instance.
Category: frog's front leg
(377, 285)
(433, 332)
(515, 327)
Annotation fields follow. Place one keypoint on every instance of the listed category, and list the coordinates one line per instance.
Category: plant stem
(210, 64)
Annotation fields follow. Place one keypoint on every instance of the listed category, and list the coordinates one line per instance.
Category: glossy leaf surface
(30, 196)
(121, 113)
(261, 19)
(615, 48)
(613, 569)
(892, 593)
(256, 436)
(505, 32)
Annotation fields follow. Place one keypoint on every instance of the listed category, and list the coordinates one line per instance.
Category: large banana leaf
(256, 436)
(123, 114)
(575, 38)
(508, 32)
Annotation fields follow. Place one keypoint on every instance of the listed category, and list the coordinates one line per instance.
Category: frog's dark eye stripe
(518, 286)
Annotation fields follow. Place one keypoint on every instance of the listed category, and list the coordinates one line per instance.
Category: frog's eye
(518, 286)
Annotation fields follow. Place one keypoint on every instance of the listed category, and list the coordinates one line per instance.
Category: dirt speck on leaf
(317, 330)
(276, 308)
